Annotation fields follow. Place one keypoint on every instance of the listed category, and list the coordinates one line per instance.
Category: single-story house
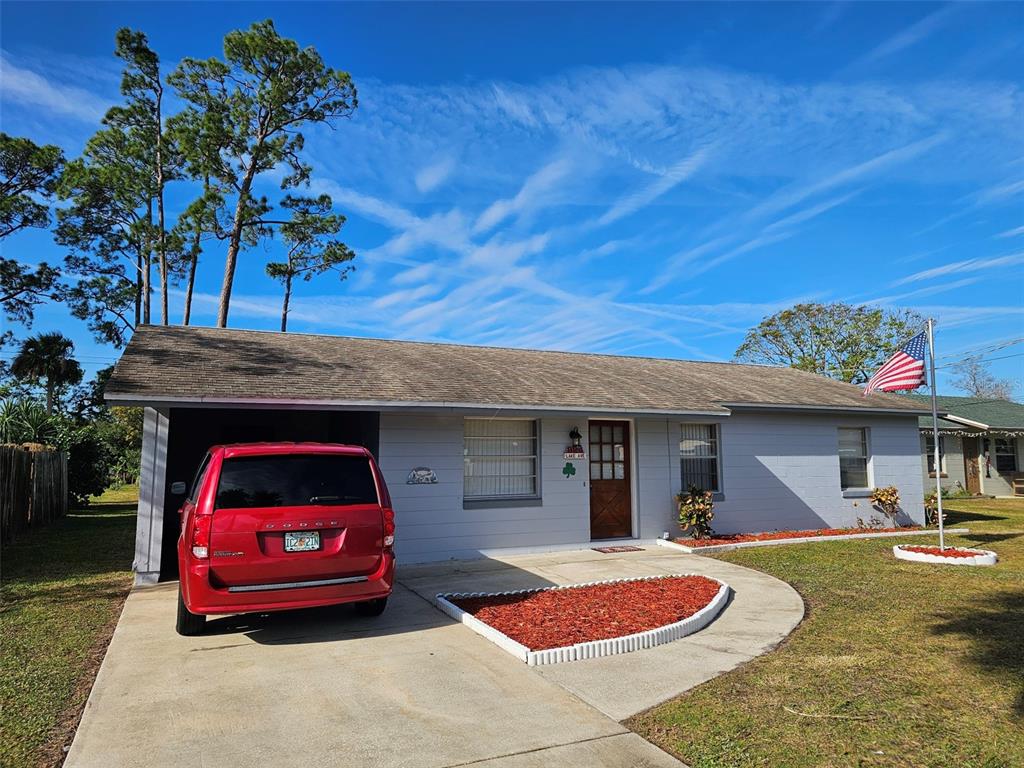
(981, 445)
(487, 449)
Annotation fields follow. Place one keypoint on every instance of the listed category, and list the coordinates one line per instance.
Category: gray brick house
(487, 450)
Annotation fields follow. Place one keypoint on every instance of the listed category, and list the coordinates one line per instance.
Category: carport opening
(191, 431)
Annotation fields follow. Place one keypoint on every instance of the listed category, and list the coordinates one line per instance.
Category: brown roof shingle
(165, 364)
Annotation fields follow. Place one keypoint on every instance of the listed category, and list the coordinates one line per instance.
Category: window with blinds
(853, 458)
(699, 457)
(500, 457)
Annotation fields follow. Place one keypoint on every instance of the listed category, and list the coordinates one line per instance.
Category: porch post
(152, 478)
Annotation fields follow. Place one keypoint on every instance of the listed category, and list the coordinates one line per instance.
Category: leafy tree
(27, 172)
(974, 378)
(310, 252)
(248, 111)
(838, 340)
(106, 238)
(113, 191)
(141, 119)
(46, 358)
(28, 178)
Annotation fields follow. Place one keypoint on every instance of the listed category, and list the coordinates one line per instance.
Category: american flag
(904, 370)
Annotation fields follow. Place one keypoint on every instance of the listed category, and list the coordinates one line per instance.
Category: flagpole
(935, 434)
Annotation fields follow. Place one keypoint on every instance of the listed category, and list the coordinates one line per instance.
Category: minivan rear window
(295, 480)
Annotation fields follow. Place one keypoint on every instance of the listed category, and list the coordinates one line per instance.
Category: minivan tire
(372, 607)
(188, 623)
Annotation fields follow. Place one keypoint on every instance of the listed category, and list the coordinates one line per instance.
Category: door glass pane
(606, 470)
(606, 453)
(606, 434)
(617, 434)
(620, 453)
(620, 471)
(595, 433)
(595, 471)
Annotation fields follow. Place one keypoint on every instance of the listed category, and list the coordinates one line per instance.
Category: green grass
(901, 664)
(62, 590)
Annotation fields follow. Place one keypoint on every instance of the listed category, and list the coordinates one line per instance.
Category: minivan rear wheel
(372, 607)
(188, 623)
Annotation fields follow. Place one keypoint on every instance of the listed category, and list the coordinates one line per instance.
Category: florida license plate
(301, 541)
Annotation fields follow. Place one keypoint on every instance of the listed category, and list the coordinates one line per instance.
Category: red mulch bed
(739, 538)
(559, 617)
(947, 552)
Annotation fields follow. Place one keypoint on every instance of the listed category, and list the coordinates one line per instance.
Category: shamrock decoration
(568, 470)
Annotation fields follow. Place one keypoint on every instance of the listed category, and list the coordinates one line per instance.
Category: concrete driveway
(410, 688)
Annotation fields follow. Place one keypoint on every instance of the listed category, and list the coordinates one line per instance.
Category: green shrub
(696, 511)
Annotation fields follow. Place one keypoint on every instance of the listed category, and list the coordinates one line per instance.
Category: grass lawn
(895, 664)
(61, 594)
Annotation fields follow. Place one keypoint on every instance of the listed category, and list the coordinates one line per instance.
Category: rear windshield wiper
(323, 499)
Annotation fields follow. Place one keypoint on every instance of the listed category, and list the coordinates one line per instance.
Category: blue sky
(641, 179)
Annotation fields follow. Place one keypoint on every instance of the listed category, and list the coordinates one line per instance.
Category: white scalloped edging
(983, 557)
(595, 648)
(798, 540)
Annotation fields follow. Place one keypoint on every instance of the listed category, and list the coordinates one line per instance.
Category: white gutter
(158, 401)
(968, 422)
(827, 408)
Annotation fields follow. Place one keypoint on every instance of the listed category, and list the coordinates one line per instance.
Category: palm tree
(47, 356)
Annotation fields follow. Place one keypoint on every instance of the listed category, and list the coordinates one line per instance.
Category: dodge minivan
(276, 526)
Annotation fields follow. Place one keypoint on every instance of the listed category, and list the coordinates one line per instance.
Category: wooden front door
(611, 510)
(972, 468)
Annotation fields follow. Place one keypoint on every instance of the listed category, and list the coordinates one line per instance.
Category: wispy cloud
(967, 265)
(922, 292)
(675, 175)
(32, 89)
(528, 195)
(908, 37)
(1015, 232)
(432, 176)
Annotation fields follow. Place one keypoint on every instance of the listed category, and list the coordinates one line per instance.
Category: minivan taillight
(201, 536)
(389, 527)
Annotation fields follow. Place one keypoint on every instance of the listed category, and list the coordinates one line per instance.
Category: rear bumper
(203, 598)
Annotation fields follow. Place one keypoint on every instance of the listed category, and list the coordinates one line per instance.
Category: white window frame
(929, 451)
(535, 494)
(996, 453)
(866, 442)
(716, 436)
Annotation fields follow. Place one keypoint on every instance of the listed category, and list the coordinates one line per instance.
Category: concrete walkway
(410, 688)
(762, 612)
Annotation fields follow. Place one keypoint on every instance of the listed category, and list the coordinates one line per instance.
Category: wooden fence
(33, 488)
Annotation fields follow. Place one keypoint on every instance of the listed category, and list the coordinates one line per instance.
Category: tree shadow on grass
(994, 624)
(989, 538)
(958, 516)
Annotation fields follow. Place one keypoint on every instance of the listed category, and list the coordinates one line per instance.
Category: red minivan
(274, 526)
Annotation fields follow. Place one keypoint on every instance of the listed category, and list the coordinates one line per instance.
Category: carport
(183, 435)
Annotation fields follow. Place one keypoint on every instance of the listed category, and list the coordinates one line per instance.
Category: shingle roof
(997, 414)
(165, 364)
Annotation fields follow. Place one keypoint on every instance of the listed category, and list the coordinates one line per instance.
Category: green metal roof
(996, 414)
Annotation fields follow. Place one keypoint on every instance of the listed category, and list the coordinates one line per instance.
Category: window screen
(698, 456)
(500, 457)
(853, 458)
(295, 480)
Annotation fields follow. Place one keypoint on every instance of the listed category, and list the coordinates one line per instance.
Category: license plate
(301, 541)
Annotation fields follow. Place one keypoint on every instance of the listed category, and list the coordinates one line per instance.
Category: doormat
(613, 550)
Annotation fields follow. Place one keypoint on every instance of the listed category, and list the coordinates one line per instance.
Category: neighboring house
(981, 445)
(476, 443)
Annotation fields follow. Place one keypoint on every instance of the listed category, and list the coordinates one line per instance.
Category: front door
(972, 469)
(611, 510)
